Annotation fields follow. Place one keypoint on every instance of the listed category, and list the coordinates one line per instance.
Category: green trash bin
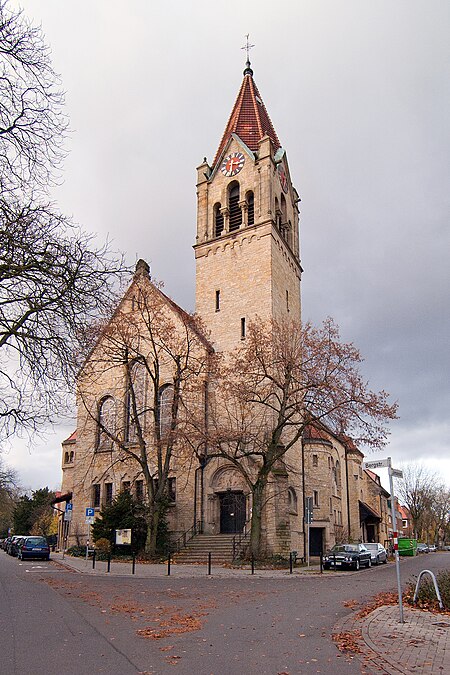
(407, 546)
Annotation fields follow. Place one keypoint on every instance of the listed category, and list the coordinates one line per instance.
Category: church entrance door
(232, 512)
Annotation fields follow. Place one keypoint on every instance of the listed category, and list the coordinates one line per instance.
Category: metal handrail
(186, 536)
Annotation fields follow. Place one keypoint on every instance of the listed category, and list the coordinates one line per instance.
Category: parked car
(377, 552)
(432, 548)
(13, 545)
(422, 548)
(352, 556)
(5, 543)
(33, 547)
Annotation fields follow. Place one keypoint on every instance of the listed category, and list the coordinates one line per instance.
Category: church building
(247, 253)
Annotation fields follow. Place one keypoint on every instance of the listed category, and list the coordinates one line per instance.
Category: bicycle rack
(438, 595)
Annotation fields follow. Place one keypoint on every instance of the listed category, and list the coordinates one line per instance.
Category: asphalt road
(54, 621)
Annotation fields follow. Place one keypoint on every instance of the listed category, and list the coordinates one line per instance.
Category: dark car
(34, 547)
(352, 556)
(378, 553)
(12, 548)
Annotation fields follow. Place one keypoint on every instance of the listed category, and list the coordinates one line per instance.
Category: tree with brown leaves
(283, 378)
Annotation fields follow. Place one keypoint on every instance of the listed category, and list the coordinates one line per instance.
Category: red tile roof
(249, 119)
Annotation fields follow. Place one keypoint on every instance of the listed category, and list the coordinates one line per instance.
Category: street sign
(376, 464)
(68, 512)
(90, 515)
(397, 473)
(309, 510)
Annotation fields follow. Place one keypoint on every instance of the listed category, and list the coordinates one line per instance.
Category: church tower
(247, 246)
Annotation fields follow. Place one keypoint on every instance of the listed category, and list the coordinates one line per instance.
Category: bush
(103, 545)
(426, 598)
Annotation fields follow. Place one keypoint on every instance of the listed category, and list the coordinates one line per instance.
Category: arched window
(292, 501)
(165, 408)
(234, 208)
(338, 474)
(106, 422)
(250, 208)
(218, 220)
(135, 402)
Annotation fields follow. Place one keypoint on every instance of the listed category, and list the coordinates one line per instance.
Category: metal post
(209, 563)
(109, 563)
(290, 562)
(253, 564)
(321, 562)
(334, 561)
(307, 546)
(133, 564)
(168, 564)
(93, 559)
(394, 529)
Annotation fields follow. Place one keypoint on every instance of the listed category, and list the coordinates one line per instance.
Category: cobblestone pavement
(420, 645)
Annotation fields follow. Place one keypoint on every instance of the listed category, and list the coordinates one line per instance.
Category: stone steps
(219, 545)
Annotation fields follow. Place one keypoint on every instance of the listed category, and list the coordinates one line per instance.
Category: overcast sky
(359, 95)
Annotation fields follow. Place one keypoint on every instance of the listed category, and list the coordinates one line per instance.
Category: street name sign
(376, 464)
(397, 473)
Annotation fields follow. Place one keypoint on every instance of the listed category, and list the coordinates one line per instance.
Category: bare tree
(53, 283)
(417, 492)
(32, 120)
(53, 279)
(153, 360)
(284, 378)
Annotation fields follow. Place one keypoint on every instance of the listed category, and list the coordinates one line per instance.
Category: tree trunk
(152, 531)
(256, 521)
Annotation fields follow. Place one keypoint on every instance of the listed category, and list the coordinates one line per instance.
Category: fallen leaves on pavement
(348, 641)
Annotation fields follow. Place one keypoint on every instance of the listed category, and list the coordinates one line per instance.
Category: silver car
(377, 552)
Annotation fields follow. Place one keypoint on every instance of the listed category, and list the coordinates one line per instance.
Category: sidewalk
(147, 570)
(419, 645)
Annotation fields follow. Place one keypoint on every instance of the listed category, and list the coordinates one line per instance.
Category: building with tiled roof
(247, 253)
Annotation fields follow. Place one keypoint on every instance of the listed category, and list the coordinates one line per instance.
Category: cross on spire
(247, 47)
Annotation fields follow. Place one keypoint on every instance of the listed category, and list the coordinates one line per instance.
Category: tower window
(250, 208)
(243, 328)
(315, 460)
(217, 301)
(234, 208)
(218, 220)
(315, 498)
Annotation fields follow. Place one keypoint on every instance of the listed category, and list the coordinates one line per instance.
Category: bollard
(253, 564)
(168, 564)
(133, 565)
(321, 562)
(290, 562)
(93, 559)
(109, 563)
(209, 563)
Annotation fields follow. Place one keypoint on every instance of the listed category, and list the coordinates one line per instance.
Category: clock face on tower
(232, 164)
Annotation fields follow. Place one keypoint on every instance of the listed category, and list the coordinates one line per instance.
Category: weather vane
(247, 47)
